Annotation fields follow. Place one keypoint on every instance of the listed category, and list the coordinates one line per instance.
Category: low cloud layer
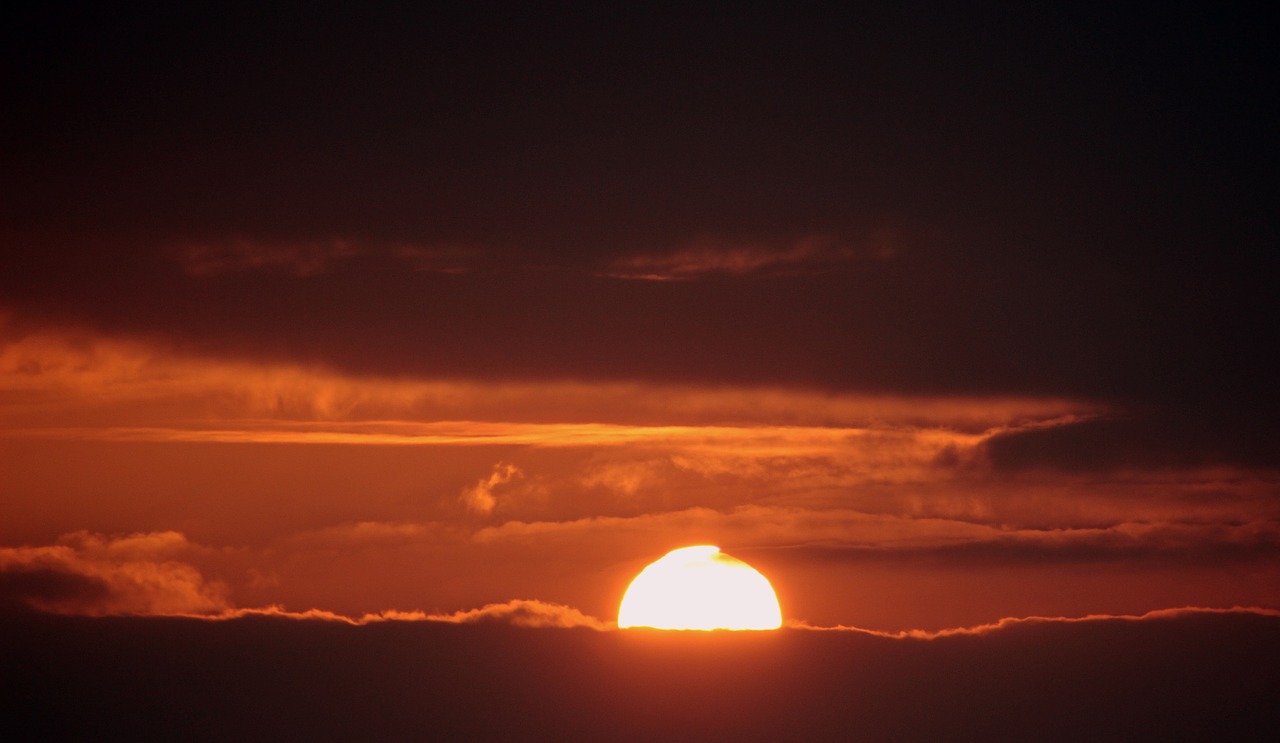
(1015, 623)
(524, 613)
(1167, 676)
(516, 612)
(383, 571)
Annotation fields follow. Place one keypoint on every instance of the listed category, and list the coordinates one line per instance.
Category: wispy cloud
(710, 255)
(852, 536)
(52, 375)
(298, 258)
(739, 442)
(480, 498)
(308, 258)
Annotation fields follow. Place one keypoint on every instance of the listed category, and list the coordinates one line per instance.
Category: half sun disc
(700, 588)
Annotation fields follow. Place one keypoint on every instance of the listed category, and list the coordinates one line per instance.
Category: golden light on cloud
(700, 588)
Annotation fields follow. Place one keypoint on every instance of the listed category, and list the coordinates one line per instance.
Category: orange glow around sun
(700, 588)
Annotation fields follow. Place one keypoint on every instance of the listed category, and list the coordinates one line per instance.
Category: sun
(700, 588)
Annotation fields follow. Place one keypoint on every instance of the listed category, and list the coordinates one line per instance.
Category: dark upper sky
(1071, 201)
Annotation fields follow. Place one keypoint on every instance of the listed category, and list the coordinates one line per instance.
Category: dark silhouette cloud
(32, 587)
(1180, 676)
(1157, 440)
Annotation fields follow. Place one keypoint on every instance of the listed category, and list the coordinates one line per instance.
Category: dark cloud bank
(1079, 198)
(1190, 676)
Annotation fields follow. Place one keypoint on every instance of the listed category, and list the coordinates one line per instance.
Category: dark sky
(1071, 201)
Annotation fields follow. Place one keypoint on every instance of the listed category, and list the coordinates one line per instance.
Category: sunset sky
(937, 318)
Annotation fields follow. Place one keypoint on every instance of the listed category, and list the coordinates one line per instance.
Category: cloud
(626, 477)
(345, 536)
(931, 541)
(1154, 441)
(96, 575)
(480, 498)
(141, 574)
(56, 375)
(713, 449)
(157, 545)
(1197, 675)
(524, 613)
(40, 583)
(1012, 623)
(747, 527)
(309, 258)
(709, 255)
(208, 259)
(516, 612)
(849, 536)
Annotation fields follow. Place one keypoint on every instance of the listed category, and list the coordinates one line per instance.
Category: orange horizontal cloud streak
(841, 454)
(63, 377)
(776, 440)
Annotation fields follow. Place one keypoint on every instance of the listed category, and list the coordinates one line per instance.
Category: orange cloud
(480, 498)
(366, 532)
(707, 450)
(54, 377)
(52, 371)
(524, 613)
(517, 612)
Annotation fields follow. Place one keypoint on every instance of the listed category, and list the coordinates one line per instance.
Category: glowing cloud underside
(700, 588)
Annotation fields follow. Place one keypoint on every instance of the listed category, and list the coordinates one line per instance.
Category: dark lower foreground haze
(1191, 677)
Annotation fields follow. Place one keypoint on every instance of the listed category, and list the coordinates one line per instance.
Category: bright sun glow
(700, 588)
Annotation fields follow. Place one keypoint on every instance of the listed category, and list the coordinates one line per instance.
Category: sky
(937, 317)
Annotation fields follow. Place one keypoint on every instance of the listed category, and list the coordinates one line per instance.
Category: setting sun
(700, 588)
